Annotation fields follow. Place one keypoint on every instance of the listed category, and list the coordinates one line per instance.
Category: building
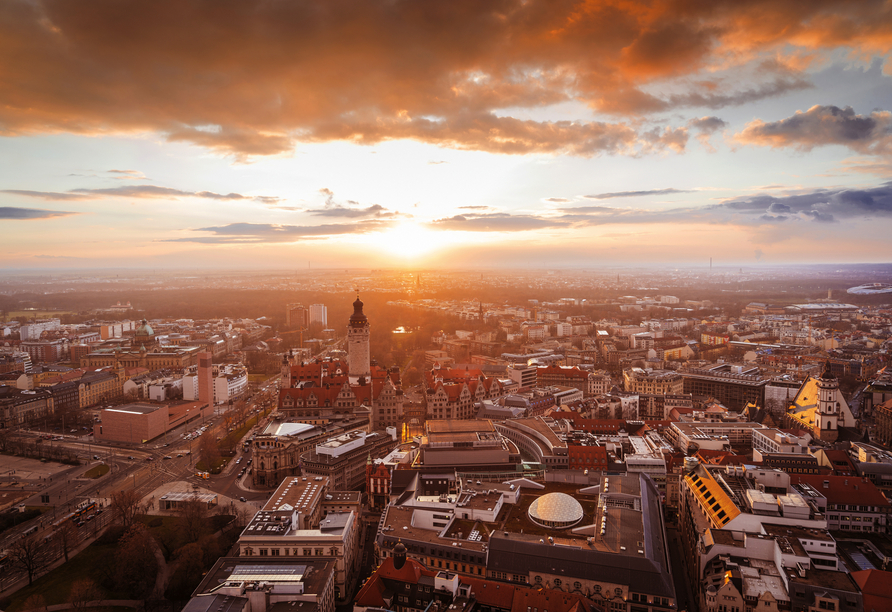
(204, 379)
(21, 406)
(850, 503)
(297, 316)
(654, 382)
(226, 382)
(236, 584)
(319, 314)
(358, 354)
(99, 387)
(622, 563)
(343, 459)
(733, 386)
(466, 445)
(278, 448)
(139, 422)
(820, 407)
(296, 523)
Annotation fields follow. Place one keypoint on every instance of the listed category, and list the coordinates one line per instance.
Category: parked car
(242, 499)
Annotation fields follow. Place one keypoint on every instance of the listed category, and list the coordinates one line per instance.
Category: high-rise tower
(358, 342)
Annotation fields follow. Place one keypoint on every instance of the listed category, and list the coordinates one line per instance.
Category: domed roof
(144, 329)
(556, 509)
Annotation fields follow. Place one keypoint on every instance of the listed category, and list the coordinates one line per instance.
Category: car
(249, 461)
(96, 457)
(73, 431)
(130, 456)
(239, 460)
(179, 455)
(150, 458)
(168, 457)
(167, 444)
(242, 499)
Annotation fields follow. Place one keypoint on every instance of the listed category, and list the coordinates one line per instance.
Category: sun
(410, 240)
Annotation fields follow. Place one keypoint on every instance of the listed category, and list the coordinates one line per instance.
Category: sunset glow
(138, 136)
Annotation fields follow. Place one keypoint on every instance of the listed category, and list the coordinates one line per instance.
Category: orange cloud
(254, 78)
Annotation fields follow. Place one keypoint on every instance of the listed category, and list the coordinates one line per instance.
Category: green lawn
(56, 585)
(96, 471)
(233, 437)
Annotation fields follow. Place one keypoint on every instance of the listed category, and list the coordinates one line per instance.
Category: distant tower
(358, 342)
(828, 411)
(205, 378)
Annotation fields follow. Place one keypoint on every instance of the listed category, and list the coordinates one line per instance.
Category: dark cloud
(254, 78)
(824, 125)
(822, 205)
(708, 124)
(353, 211)
(12, 212)
(635, 194)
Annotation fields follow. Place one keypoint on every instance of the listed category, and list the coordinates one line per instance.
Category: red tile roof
(849, 490)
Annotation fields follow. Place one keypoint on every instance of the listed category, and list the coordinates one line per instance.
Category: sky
(411, 134)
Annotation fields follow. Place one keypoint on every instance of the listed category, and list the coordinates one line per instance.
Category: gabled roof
(849, 490)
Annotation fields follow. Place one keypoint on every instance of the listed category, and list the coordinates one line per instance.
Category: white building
(230, 380)
(319, 314)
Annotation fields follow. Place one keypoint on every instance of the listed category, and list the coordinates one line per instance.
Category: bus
(82, 510)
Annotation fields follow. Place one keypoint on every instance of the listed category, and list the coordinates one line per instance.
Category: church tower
(358, 342)
(828, 412)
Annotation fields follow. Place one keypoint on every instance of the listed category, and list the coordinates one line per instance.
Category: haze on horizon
(185, 134)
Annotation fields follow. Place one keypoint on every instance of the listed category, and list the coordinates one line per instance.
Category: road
(143, 467)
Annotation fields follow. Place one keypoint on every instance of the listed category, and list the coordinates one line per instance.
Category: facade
(18, 406)
(342, 460)
(99, 387)
(297, 316)
(733, 386)
(319, 314)
(654, 382)
(295, 523)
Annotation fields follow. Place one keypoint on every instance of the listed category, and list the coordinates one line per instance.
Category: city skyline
(515, 134)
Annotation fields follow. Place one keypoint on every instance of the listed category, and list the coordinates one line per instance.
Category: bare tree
(29, 555)
(193, 520)
(66, 535)
(83, 592)
(125, 507)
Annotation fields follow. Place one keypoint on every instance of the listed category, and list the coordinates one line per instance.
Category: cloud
(496, 222)
(260, 233)
(136, 191)
(12, 212)
(558, 200)
(474, 207)
(257, 78)
(706, 127)
(45, 195)
(819, 206)
(335, 209)
(635, 194)
(128, 175)
(821, 126)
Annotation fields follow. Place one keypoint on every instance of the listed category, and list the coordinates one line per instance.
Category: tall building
(205, 378)
(358, 354)
(319, 314)
(297, 316)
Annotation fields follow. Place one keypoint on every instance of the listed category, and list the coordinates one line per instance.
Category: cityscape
(403, 306)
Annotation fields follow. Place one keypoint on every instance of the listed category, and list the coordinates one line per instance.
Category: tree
(125, 507)
(189, 566)
(208, 452)
(193, 520)
(66, 535)
(29, 555)
(135, 563)
(83, 592)
(35, 602)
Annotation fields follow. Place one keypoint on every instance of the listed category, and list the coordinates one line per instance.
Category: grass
(231, 439)
(201, 466)
(56, 585)
(96, 471)
(38, 314)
